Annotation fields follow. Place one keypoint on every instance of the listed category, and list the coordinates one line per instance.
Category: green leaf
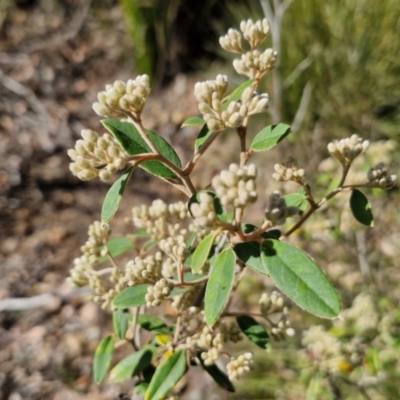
(296, 200)
(141, 388)
(167, 375)
(360, 208)
(296, 274)
(219, 285)
(102, 359)
(237, 93)
(114, 196)
(219, 377)
(131, 297)
(202, 252)
(121, 321)
(250, 255)
(119, 245)
(133, 364)
(254, 331)
(153, 324)
(202, 137)
(193, 121)
(133, 143)
(269, 137)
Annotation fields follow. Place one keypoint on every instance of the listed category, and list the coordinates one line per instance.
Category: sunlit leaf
(296, 274)
(102, 359)
(202, 252)
(167, 375)
(237, 93)
(269, 137)
(119, 245)
(193, 121)
(114, 196)
(133, 143)
(360, 208)
(254, 331)
(131, 297)
(133, 364)
(219, 285)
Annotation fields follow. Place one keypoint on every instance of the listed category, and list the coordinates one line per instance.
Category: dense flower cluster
(236, 186)
(240, 366)
(218, 115)
(289, 171)
(123, 100)
(346, 150)
(204, 211)
(96, 156)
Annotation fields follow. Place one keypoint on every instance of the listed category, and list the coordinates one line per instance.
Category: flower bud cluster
(255, 103)
(289, 171)
(161, 220)
(209, 96)
(378, 177)
(95, 156)
(277, 210)
(157, 293)
(95, 246)
(255, 64)
(204, 211)
(236, 186)
(213, 344)
(273, 307)
(122, 100)
(255, 32)
(175, 247)
(141, 270)
(232, 41)
(238, 367)
(346, 150)
(81, 272)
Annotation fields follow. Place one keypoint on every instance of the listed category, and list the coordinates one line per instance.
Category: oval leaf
(131, 297)
(219, 285)
(114, 196)
(269, 137)
(202, 252)
(119, 245)
(193, 121)
(167, 375)
(133, 143)
(250, 255)
(121, 321)
(102, 359)
(296, 200)
(133, 364)
(360, 208)
(254, 331)
(299, 277)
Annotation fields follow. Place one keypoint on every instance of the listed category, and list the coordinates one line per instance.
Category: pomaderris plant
(191, 256)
